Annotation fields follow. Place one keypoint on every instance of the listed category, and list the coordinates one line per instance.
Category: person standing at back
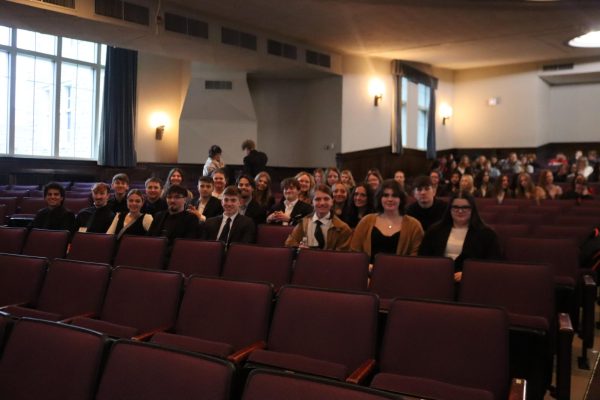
(255, 161)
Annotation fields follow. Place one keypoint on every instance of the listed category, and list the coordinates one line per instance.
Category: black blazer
(300, 210)
(256, 212)
(242, 230)
(480, 243)
(58, 218)
(183, 225)
(213, 207)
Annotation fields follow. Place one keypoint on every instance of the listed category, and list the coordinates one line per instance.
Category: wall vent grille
(316, 58)
(237, 38)
(186, 26)
(124, 11)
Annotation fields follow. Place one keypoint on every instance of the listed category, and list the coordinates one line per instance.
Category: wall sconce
(159, 120)
(160, 130)
(445, 112)
(376, 89)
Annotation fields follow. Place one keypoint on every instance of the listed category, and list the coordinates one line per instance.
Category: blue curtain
(399, 70)
(117, 146)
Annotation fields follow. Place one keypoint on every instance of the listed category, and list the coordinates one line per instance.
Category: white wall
(519, 119)
(574, 113)
(297, 119)
(159, 89)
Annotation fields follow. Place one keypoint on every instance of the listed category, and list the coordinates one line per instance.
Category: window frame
(98, 68)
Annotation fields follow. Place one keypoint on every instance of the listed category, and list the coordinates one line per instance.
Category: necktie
(319, 234)
(224, 236)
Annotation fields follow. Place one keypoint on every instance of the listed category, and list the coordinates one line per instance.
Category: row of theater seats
(429, 349)
(338, 270)
(227, 318)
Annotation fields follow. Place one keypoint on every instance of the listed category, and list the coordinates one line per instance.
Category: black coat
(300, 210)
(173, 226)
(256, 212)
(58, 218)
(255, 162)
(94, 219)
(213, 207)
(480, 243)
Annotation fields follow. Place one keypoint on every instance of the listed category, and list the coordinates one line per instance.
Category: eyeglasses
(461, 208)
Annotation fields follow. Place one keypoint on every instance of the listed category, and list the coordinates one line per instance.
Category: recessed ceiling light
(590, 39)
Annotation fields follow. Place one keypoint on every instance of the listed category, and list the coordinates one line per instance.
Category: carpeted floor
(593, 389)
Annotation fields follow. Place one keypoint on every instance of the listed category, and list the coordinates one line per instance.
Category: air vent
(282, 49)
(316, 58)
(187, 26)
(62, 3)
(557, 67)
(237, 38)
(124, 11)
(218, 85)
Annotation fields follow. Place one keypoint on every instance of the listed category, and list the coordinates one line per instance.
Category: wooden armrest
(518, 389)
(147, 335)
(361, 372)
(14, 305)
(242, 354)
(564, 323)
(588, 280)
(90, 314)
(563, 357)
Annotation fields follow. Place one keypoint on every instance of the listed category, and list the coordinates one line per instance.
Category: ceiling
(454, 34)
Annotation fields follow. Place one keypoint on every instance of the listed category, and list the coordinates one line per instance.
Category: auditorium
(357, 199)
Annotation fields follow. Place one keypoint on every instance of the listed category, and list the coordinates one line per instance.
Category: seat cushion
(196, 345)
(108, 328)
(32, 313)
(299, 363)
(427, 388)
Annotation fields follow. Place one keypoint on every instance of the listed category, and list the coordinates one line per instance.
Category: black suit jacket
(255, 162)
(256, 212)
(242, 230)
(300, 210)
(480, 243)
(184, 225)
(213, 207)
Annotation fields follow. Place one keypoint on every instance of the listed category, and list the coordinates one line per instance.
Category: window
(55, 107)
(423, 116)
(404, 99)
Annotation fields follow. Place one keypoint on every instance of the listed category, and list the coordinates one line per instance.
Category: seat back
(201, 257)
(576, 220)
(259, 263)
(10, 202)
(21, 278)
(334, 326)
(445, 342)
(31, 205)
(48, 360)
(12, 239)
(137, 370)
(331, 269)
(226, 311)
(141, 251)
(561, 254)
(577, 233)
(412, 277)
(506, 231)
(24, 187)
(92, 247)
(46, 243)
(141, 298)
(265, 384)
(76, 204)
(523, 289)
(73, 288)
(272, 235)
(3, 209)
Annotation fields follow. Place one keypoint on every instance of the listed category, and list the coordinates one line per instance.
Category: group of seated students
(328, 215)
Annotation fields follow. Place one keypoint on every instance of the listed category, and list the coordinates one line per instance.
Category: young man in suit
(231, 226)
(206, 205)
(248, 206)
(322, 229)
(290, 210)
